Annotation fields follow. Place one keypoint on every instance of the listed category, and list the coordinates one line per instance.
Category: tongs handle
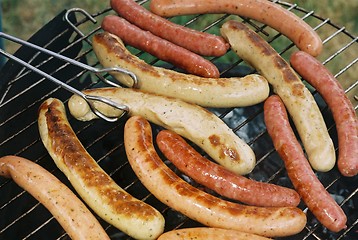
(70, 60)
(88, 98)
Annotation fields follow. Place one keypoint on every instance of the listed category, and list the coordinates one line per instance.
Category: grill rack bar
(312, 232)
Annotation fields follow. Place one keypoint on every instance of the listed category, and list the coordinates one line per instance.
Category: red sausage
(219, 179)
(199, 42)
(198, 205)
(316, 74)
(264, 11)
(161, 48)
(312, 192)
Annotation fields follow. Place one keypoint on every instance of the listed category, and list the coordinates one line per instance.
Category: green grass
(22, 18)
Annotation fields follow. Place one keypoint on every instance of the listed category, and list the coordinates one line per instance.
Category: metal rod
(88, 98)
(70, 60)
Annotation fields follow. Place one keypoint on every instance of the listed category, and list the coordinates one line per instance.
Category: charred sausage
(93, 184)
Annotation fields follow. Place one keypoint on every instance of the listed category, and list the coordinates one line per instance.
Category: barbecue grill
(69, 34)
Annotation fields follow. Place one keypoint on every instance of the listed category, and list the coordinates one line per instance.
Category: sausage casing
(65, 206)
(316, 74)
(267, 12)
(313, 193)
(211, 211)
(162, 49)
(221, 180)
(191, 121)
(207, 233)
(93, 184)
(206, 92)
(202, 43)
(298, 100)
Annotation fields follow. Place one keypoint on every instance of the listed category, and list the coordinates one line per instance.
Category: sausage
(202, 207)
(191, 121)
(298, 100)
(199, 42)
(160, 48)
(316, 74)
(206, 233)
(95, 186)
(271, 14)
(62, 203)
(219, 179)
(207, 92)
(313, 193)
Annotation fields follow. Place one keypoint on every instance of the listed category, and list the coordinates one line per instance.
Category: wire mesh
(22, 217)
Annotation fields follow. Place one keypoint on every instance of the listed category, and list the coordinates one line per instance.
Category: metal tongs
(88, 98)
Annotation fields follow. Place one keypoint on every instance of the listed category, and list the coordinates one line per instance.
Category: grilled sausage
(316, 74)
(206, 233)
(65, 206)
(313, 193)
(207, 92)
(286, 83)
(164, 50)
(219, 179)
(271, 14)
(199, 42)
(202, 127)
(95, 186)
(211, 211)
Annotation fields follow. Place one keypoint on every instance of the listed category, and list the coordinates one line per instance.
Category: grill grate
(22, 91)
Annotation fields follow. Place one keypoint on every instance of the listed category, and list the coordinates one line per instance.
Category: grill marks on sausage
(76, 158)
(278, 62)
(196, 204)
(113, 46)
(224, 150)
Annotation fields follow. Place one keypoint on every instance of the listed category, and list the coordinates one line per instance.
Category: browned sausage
(219, 179)
(191, 121)
(102, 194)
(199, 42)
(170, 189)
(313, 193)
(70, 212)
(263, 11)
(298, 100)
(316, 74)
(206, 233)
(206, 92)
(158, 47)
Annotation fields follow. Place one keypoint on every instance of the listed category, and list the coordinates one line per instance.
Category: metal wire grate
(22, 91)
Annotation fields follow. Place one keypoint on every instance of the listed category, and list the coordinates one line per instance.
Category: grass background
(22, 18)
